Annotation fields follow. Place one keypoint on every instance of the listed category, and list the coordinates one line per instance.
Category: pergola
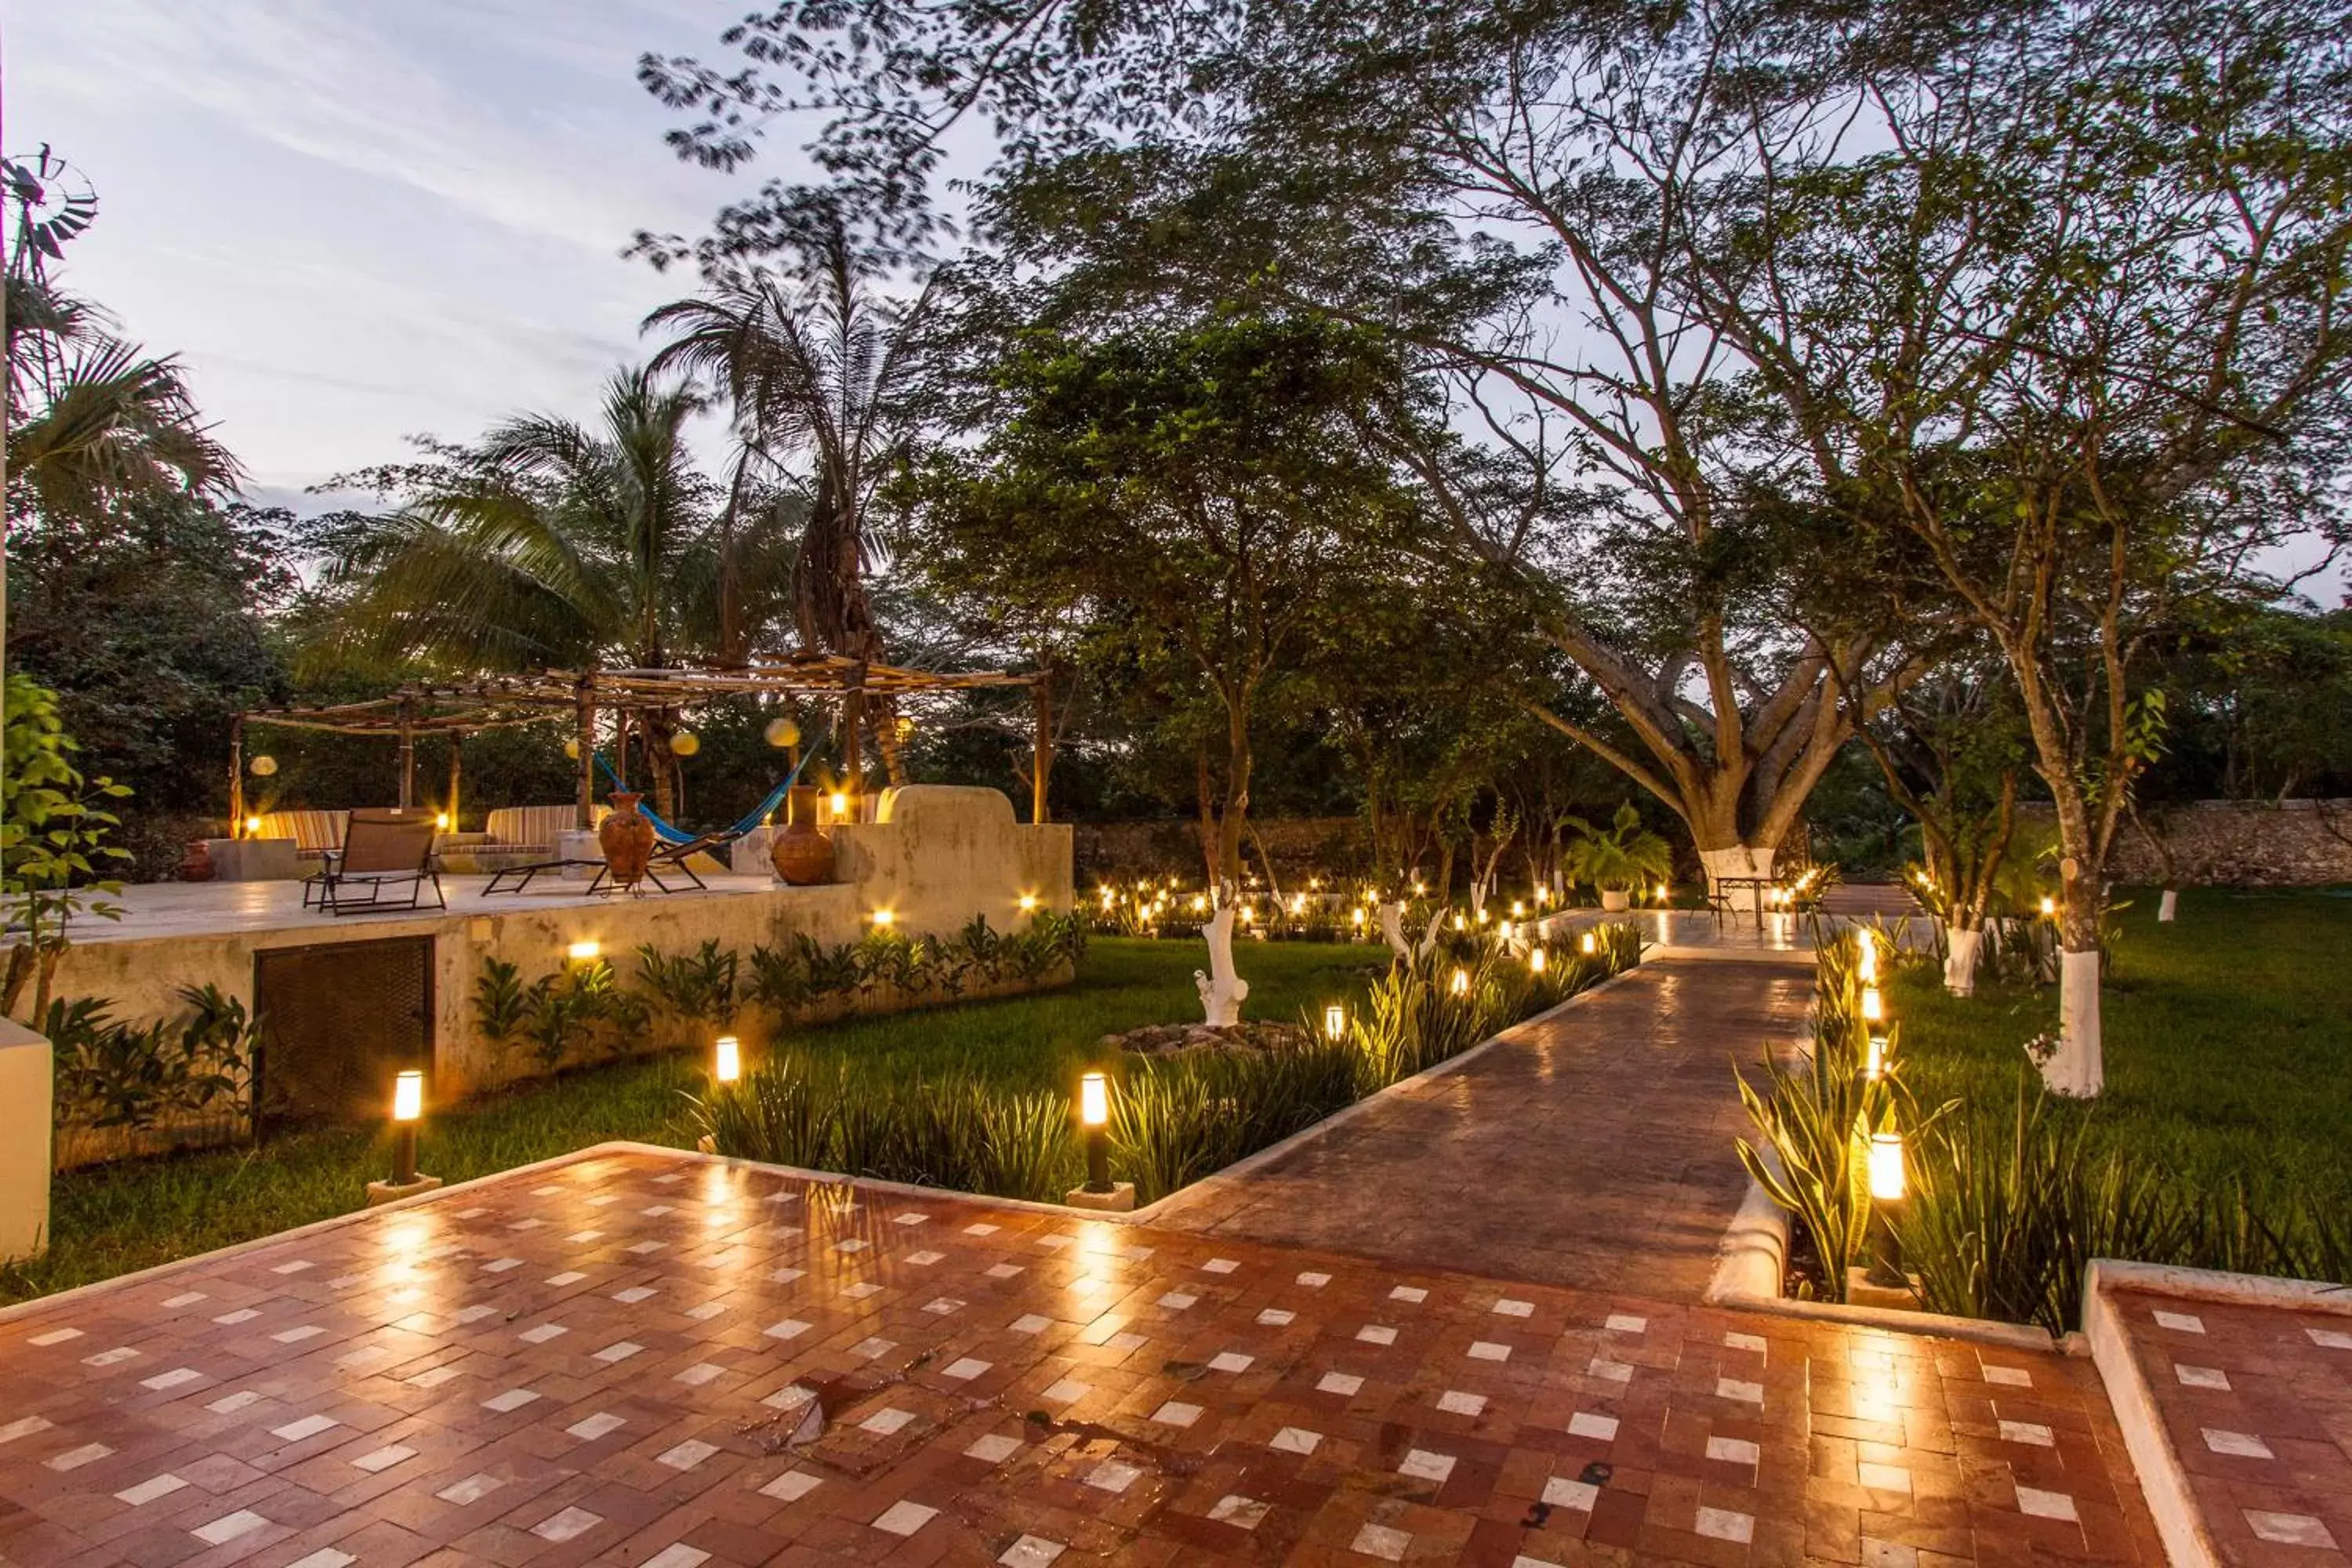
(459, 707)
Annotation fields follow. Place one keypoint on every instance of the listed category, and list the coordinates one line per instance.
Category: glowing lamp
(1664, 893)
(1543, 896)
(252, 825)
(571, 750)
(685, 743)
(1028, 902)
(840, 804)
(1866, 964)
(1419, 888)
(408, 1105)
(1587, 945)
(584, 951)
(1334, 1022)
(1886, 1178)
(262, 766)
(1873, 1008)
(2049, 905)
(1356, 917)
(1297, 903)
(1518, 908)
(782, 732)
(1458, 922)
(1875, 1068)
(1536, 961)
(1461, 981)
(885, 918)
(1094, 1115)
(727, 1064)
(441, 820)
(1504, 930)
(1200, 903)
(1483, 917)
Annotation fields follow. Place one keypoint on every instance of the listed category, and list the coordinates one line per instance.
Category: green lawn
(113, 1219)
(2228, 1036)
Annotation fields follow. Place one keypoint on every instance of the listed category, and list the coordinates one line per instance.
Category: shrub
(112, 1074)
(692, 988)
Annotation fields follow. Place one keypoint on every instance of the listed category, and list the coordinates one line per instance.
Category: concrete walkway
(1592, 1150)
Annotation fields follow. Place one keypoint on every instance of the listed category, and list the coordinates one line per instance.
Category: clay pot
(626, 839)
(197, 866)
(1616, 900)
(803, 857)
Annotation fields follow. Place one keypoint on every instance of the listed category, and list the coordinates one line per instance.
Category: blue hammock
(670, 833)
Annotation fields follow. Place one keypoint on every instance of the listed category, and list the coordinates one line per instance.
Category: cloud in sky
(360, 221)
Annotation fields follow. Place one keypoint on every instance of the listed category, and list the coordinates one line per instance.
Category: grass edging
(1752, 1262)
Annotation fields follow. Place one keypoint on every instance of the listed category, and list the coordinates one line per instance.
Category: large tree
(1191, 495)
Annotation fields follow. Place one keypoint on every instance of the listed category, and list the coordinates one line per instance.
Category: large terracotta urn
(626, 839)
(1616, 900)
(803, 857)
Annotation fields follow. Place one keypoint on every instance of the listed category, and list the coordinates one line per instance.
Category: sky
(359, 220)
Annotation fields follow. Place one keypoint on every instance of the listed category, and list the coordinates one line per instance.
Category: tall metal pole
(237, 777)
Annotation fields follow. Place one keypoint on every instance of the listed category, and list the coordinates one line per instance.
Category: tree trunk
(1222, 989)
(1960, 949)
(2168, 906)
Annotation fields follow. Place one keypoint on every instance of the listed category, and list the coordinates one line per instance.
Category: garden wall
(936, 857)
(2237, 843)
(1300, 847)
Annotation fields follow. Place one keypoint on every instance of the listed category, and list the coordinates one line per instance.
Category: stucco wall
(2236, 843)
(939, 856)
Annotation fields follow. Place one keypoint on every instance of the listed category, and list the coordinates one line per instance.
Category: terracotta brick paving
(2257, 1401)
(1592, 1149)
(647, 1358)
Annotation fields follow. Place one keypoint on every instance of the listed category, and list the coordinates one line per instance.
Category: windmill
(53, 206)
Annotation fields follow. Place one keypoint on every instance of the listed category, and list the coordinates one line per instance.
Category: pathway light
(1334, 1022)
(1094, 1115)
(407, 1106)
(728, 1064)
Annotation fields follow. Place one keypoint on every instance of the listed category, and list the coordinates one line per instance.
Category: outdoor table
(1758, 890)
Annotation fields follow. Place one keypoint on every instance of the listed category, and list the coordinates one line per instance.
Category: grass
(2228, 1041)
(114, 1219)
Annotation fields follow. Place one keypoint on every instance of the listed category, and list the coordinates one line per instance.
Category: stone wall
(1299, 846)
(2238, 843)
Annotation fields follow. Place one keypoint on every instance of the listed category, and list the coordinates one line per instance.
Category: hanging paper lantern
(263, 765)
(783, 732)
(685, 743)
(571, 749)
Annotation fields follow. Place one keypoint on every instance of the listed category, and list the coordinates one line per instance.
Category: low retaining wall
(936, 857)
(2235, 843)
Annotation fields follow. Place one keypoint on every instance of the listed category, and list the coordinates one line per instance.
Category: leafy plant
(693, 988)
(1621, 856)
(53, 842)
(110, 1074)
(501, 1005)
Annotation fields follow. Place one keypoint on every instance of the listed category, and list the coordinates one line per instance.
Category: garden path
(1592, 1148)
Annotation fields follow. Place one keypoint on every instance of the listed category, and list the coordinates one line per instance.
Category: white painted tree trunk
(1392, 928)
(1743, 860)
(2077, 1069)
(2168, 906)
(1222, 989)
(1960, 949)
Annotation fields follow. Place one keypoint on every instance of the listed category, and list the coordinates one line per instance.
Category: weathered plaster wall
(2234, 842)
(938, 856)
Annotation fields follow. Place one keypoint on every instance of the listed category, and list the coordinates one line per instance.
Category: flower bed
(1172, 1121)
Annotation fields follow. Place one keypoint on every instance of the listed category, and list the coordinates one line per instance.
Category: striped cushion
(536, 825)
(312, 831)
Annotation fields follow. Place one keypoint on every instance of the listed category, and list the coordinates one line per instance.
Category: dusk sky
(361, 221)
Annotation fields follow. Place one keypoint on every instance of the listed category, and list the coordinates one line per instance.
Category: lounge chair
(385, 863)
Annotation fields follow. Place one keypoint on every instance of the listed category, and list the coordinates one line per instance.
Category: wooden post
(456, 740)
(586, 799)
(1041, 700)
(852, 724)
(407, 762)
(237, 777)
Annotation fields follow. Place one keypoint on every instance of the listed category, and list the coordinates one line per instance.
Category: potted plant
(1617, 859)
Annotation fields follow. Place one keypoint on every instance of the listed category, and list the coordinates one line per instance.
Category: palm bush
(1618, 857)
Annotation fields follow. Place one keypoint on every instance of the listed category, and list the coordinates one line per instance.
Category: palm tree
(549, 543)
(815, 363)
(94, 419)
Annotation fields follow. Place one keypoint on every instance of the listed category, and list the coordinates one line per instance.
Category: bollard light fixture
(1458, 922)
(1589, 944)
(1874, 1068)
(727, 1064)
(1874, 1008)
(1887, 1184)
(1867, 959)
(1334, 1022)
(408, 1107)
(1664, 893)
(1094, 1115)
(1461, 981)
(1536, 961)
(2049, 907)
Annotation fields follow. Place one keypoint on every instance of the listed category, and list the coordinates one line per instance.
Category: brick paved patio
(641, 1357)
